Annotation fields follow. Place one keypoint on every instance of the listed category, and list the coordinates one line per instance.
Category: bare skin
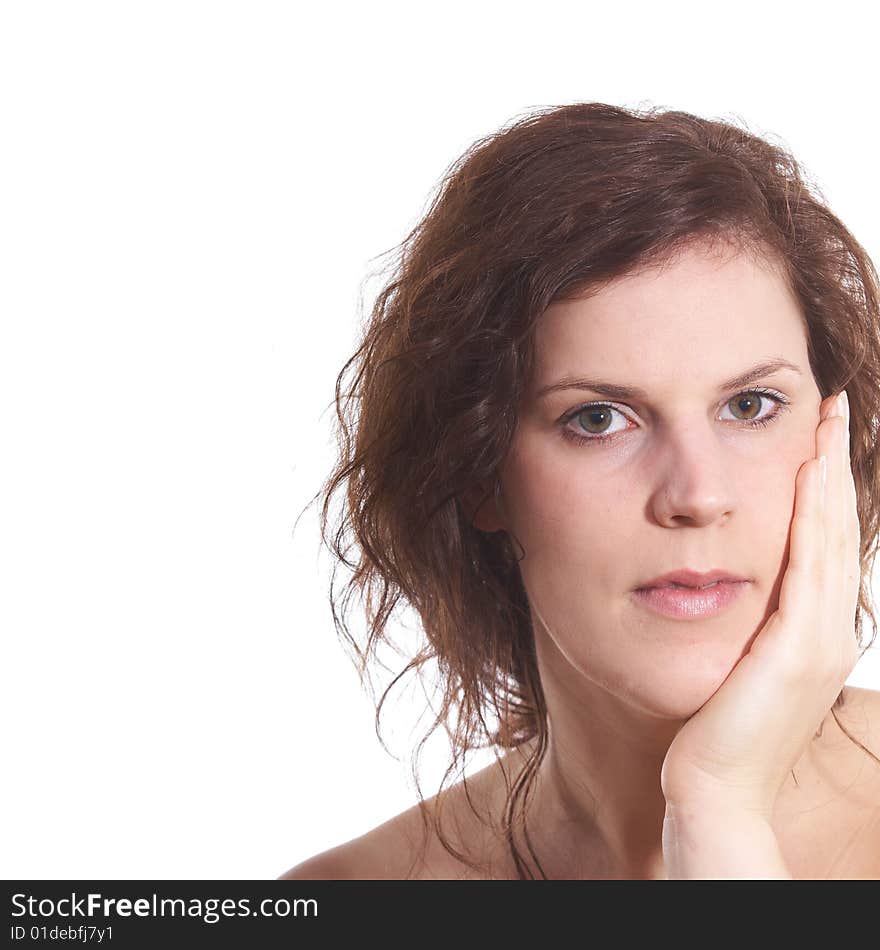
(827, 822)
(680, 482)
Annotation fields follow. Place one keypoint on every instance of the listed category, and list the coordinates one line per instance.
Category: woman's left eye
(748, 403)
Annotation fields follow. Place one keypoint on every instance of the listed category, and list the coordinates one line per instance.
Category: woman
(599, 449)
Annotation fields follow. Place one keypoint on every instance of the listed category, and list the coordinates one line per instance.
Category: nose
(694, 480)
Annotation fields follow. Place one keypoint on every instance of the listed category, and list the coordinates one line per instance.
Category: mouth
(685, 586)
(687, 577)
(681, 602)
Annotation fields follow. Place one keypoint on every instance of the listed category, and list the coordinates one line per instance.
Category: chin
(677, 690)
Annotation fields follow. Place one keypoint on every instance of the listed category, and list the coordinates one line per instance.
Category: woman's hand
(736, 751)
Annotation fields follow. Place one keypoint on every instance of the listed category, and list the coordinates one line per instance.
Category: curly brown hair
(560, 200)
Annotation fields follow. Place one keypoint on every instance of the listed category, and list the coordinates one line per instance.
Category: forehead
(704, 312)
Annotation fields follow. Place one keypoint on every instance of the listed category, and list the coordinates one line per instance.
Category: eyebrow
(618, 391)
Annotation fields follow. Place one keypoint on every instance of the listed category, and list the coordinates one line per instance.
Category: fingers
(806, 567)
(832, 441)
(819, 590)
(841, 537)
(852, 554)
(851, 513)
(811, 572)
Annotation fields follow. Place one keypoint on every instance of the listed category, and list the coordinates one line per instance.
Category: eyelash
(780, 400)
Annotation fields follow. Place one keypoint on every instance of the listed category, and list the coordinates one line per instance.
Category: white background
(192, 196)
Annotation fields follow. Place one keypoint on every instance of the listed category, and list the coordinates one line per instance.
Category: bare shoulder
(860, 713)
(384, 853)
(852, 744)
(406, 847)
(858, 830)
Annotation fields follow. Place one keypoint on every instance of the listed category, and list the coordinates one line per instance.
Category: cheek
(576, 534)
(770, 517)
(535, 502)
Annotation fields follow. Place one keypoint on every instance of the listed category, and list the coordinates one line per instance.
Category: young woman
(594, 438)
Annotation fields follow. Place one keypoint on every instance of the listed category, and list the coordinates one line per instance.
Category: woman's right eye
(598, 415)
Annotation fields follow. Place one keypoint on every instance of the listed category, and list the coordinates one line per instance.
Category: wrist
(715, 842)
(719, 801)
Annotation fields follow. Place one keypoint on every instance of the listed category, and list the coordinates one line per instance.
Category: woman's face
(682, 481)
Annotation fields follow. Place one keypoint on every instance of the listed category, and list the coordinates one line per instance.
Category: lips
(690, 579)
(690, 603)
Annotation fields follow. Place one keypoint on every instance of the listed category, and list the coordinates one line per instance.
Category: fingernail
(845, 398)
(839, 409)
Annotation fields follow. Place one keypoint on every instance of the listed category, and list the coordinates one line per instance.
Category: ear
(481, 508)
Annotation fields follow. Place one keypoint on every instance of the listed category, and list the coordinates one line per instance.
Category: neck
(597, 807)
